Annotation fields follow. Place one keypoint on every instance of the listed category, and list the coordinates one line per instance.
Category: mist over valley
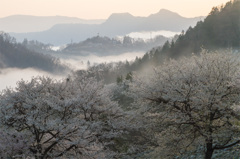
(10, 76)
(161, 86)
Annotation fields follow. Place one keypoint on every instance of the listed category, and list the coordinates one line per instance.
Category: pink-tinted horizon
(96, 9)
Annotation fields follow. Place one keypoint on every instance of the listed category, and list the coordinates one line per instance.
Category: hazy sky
(101, 9)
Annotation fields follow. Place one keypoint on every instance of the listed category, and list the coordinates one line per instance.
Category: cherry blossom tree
(14, 144)
(193, 103)
(73, 118)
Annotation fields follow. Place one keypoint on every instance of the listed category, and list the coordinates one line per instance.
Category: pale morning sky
(101, 9)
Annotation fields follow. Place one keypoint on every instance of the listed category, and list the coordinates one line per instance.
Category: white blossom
(73, 117)
(193, 102)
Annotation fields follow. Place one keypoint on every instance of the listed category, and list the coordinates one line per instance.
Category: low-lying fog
(9, 77)
(80, 62)
(152, 34)
(145, 35)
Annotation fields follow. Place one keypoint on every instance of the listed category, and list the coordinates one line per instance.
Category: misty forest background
(179, 100)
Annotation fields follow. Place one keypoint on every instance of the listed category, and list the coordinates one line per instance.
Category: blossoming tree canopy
(195, 101)
(74, 117)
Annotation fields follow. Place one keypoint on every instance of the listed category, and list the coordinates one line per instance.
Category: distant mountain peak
(116, 25)
(120, 15)
(117, 17)
(165, 12)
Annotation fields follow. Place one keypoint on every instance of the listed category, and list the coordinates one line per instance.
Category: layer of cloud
(80, 62)
(9, 77)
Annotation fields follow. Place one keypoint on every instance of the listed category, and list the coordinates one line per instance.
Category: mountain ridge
(30, 23)
(165, 12)
(220, 30)
(117, 24)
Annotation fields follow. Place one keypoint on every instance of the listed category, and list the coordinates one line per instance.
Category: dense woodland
(162, 106)
(98, 45)
(16, 55)
(220, 30)
(183, 108)
(105, 46)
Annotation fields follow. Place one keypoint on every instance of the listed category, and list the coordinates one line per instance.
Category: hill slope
(15, 55)
(106, 46)
(220, 30)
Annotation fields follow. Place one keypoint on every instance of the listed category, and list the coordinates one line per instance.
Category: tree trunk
(209, 152)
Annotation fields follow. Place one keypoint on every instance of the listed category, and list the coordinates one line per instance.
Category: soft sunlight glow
(95, 9)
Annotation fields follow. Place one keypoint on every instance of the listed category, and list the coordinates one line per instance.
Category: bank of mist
(82, 62)
(10, 76)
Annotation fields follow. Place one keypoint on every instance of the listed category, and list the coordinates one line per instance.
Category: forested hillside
(184, 107)
(15, 55)
(109, 46)
(220, 30)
